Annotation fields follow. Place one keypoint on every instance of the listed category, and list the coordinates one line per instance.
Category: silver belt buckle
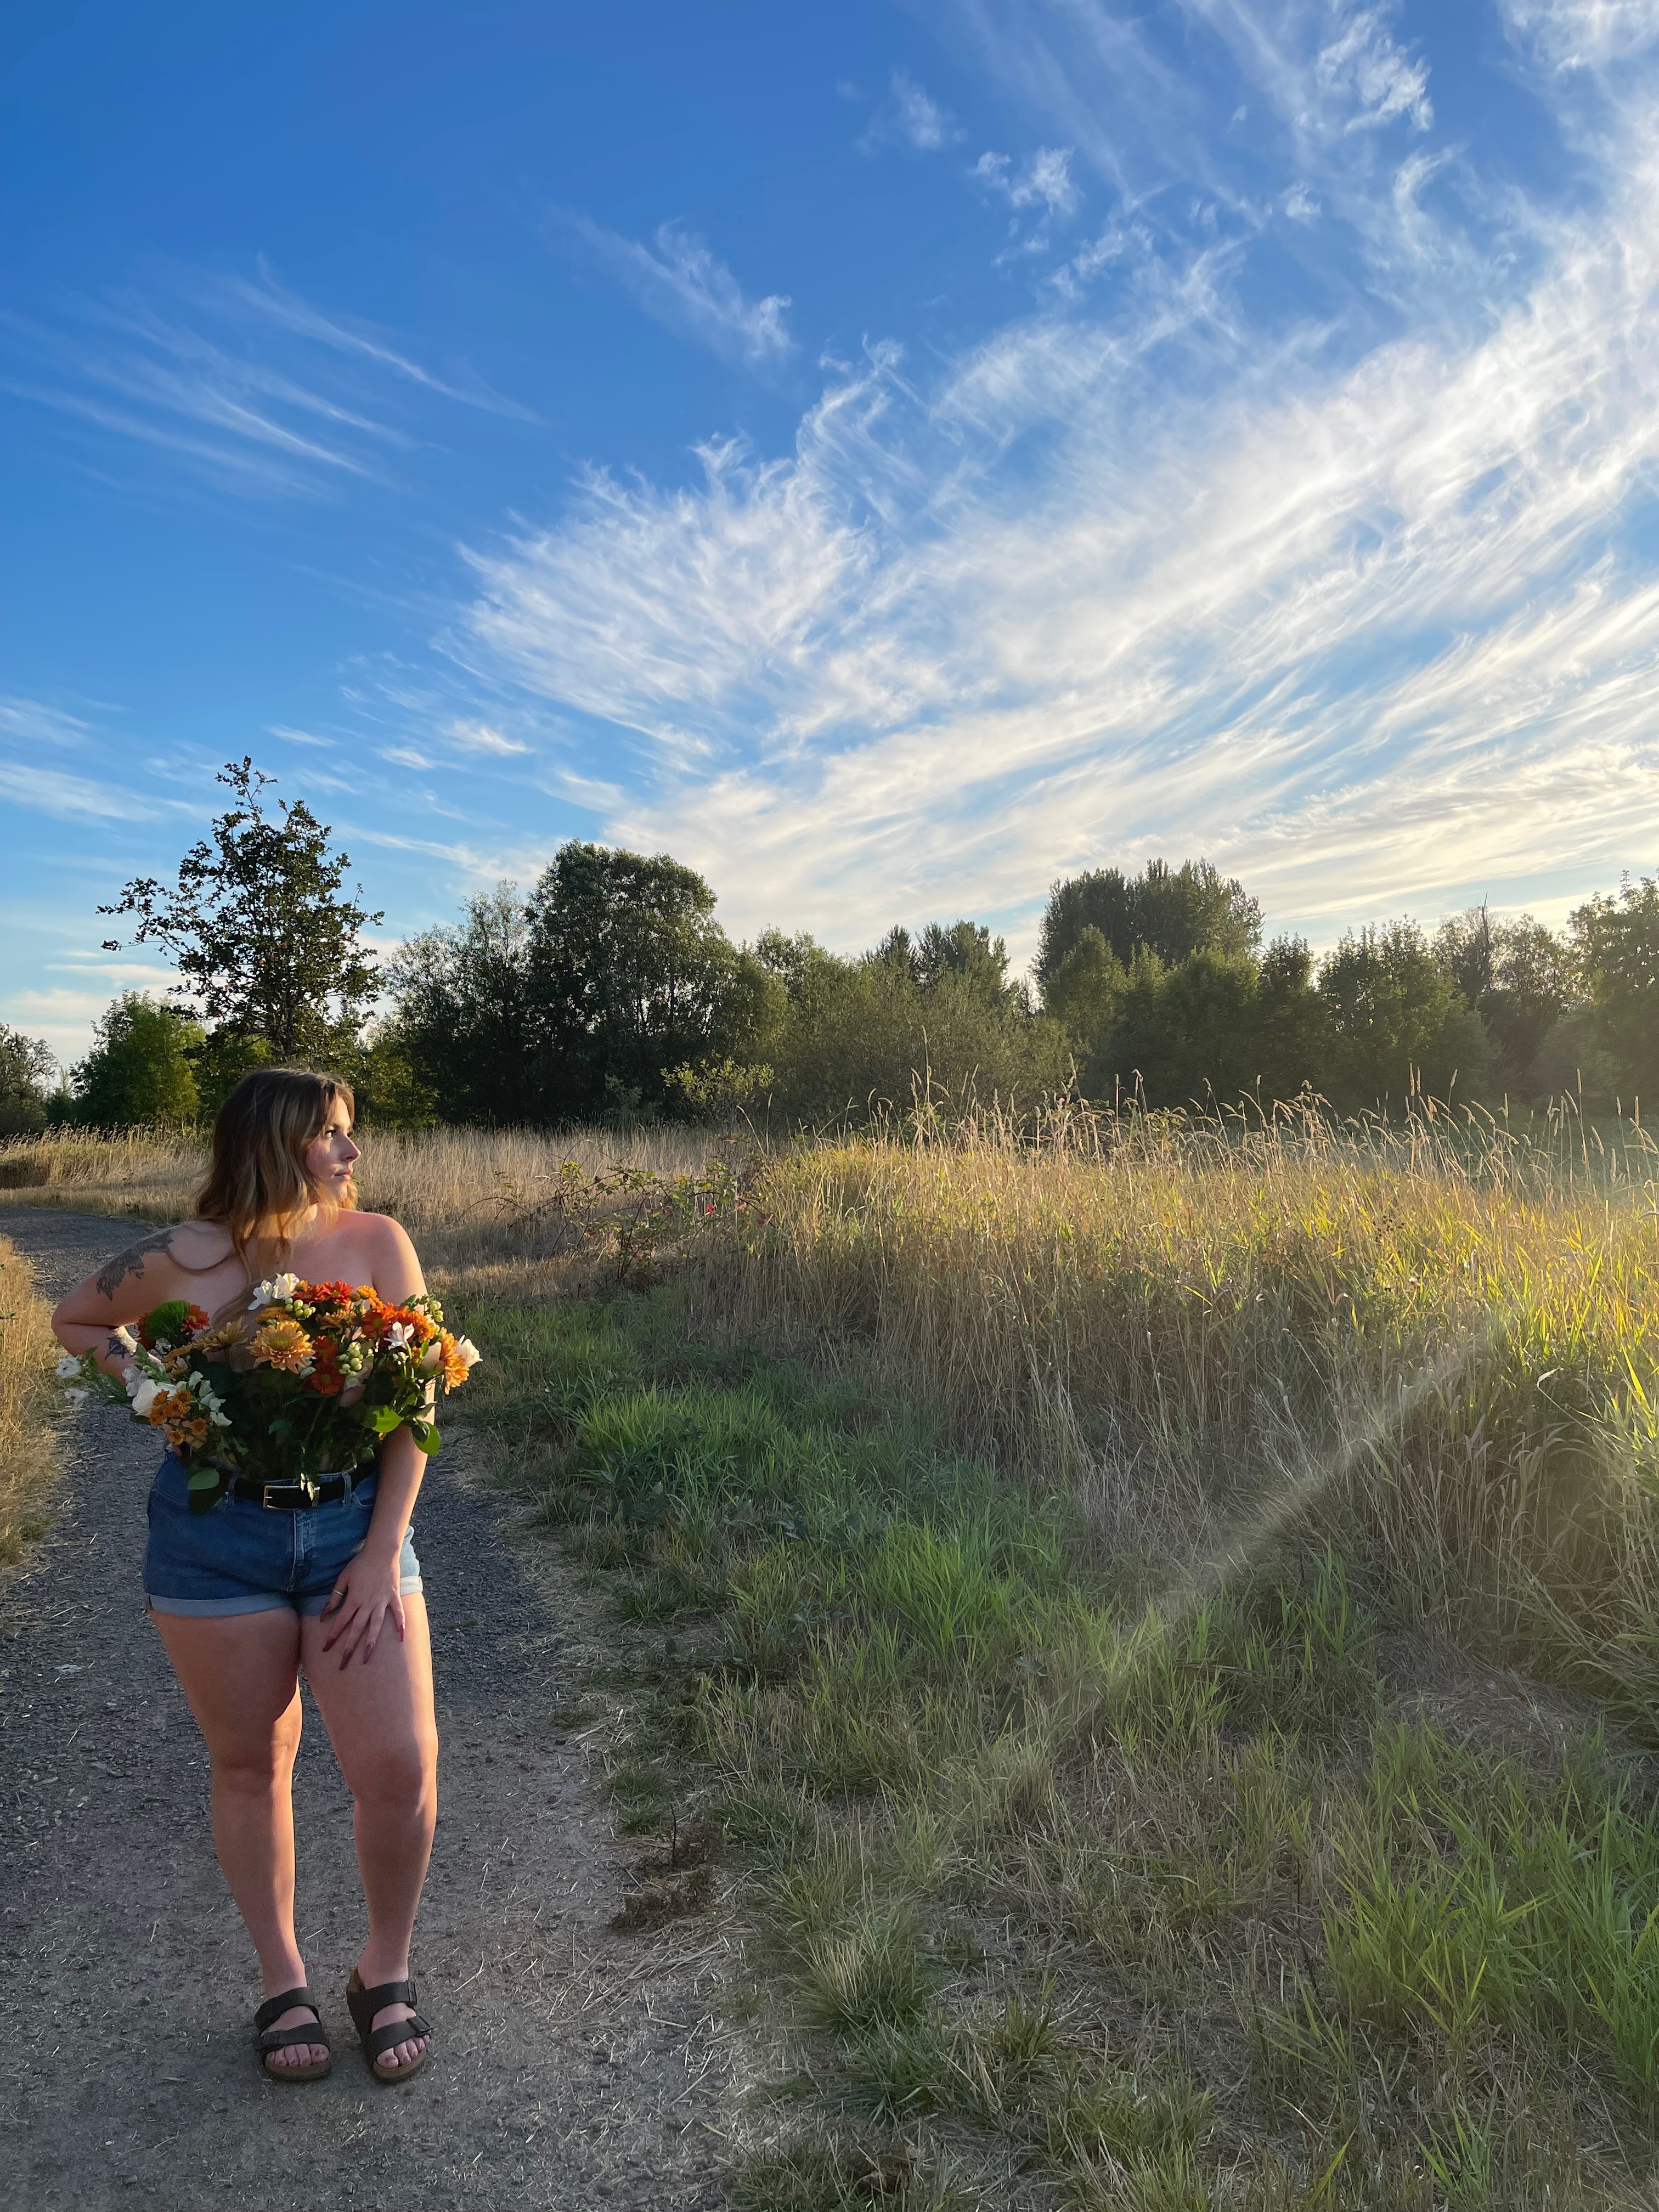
(264, 1497)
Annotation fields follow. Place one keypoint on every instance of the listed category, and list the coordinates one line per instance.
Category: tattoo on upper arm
(111, 1277)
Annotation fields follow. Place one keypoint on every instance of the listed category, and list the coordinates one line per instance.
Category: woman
(266, 1583)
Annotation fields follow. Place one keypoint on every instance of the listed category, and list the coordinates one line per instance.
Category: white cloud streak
(910, 116)
(191, 378)
(919, 117)
(1045, 181)
(31, 721)
(1368, 623)
(680, 283)
(479, 737)
(78, 797)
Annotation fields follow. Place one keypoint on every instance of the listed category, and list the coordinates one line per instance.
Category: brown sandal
(268, 2038)
(363, 2004)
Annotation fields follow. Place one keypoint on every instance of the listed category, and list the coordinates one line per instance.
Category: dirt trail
(574, 2067)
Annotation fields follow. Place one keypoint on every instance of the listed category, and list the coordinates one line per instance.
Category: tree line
(609, 991)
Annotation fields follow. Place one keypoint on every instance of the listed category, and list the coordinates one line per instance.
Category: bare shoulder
(154, 1266)
(393, 1262)
(382, 1233)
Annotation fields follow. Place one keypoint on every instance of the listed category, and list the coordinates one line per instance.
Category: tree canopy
(610, 990)
(1169, 911)
(28, 1074)
(139, 1068)
(1617, 943)
(268, 950)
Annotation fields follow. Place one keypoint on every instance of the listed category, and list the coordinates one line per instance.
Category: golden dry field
(27, 1353)
(1160, 1623)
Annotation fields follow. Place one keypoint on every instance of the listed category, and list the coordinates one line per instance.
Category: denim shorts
(244, 1557)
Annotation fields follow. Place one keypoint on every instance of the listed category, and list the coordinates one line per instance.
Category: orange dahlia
(282, 1343)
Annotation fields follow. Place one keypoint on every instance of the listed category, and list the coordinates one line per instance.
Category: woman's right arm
(124, 1290)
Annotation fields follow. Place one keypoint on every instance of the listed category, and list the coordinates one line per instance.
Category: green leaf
(426, 1435)
(383, 1419)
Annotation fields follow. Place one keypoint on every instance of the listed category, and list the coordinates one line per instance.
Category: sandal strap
(382, 2040)
(383, 1994)
(286, 2001)
(289, 2038)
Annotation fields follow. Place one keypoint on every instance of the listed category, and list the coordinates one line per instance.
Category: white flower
(77, 1397)
(66, 1367)
(468, 1352)
(276, 1291)
(399, 1336)
(429, 1358)
(208, 1400)
(143, 1394)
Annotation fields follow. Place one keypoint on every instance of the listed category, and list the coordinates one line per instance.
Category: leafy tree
(269, 951)
(1573, 1062)
(1292, 1031)
(630, 975)
(1086, 991)
(28, 1074)
(1171, 911)
(1617, 943)
(1519, 977)
(390, 1088)
(861, 1036)
(799, 964)
(965, 949)
(139, 1068)
(1185, 1029)
(1204, 1031)
(1396, 1018)
(464, 1022)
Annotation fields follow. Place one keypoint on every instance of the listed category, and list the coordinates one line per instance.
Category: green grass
(1069, 1893)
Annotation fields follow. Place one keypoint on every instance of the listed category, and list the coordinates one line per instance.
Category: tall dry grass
(1444, 1334)
(1449, 1340)
(27, 1351)
(471, 1198)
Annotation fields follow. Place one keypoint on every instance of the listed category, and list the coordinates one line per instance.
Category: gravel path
(574, 2067)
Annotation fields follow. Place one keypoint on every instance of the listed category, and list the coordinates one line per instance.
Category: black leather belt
(297, 1497)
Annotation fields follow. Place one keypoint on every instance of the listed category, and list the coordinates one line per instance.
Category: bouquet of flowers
(305, 1382)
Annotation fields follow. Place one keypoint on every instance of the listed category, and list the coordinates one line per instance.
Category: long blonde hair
(257, 1185)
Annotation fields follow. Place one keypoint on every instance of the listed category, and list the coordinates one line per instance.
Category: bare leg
(240, 1675)
(380, 1718)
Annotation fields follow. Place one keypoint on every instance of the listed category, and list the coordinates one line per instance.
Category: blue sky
(889, 456)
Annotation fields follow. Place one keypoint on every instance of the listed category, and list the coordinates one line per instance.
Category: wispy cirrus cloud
(274, 302)
(79, 798)
(909, 116)
(1045, 181)
(32, 721)
(1365, 617)
(479, 737)
(240, 380)
(681, 283)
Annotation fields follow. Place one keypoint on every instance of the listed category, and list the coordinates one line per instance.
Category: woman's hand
(364, 1597)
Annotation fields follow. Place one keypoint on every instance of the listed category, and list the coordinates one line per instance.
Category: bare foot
(401, 2054)
(296, 2054)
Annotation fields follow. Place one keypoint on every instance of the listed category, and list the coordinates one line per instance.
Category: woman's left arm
(365, 1592)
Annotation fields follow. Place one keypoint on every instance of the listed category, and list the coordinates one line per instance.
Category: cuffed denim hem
(210, 1608)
